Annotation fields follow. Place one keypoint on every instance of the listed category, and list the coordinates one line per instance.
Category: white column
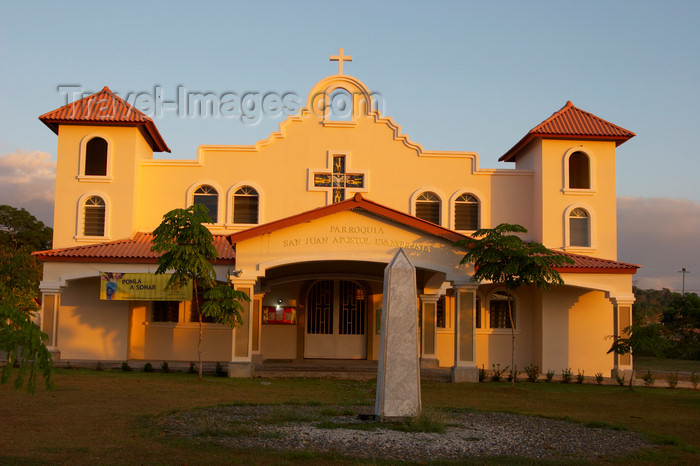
(622, 318)
(428, 347)
(241, 364)
(464, 369)
(256, 341)
(48, 318)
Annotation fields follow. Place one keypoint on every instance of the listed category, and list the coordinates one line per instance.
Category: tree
(23, 342)
(649, 304)
(675, 336)
(639, 339)
(20, 337)
(223, 304)
(504, 258)
(20, 274)
(188, 251)
(681, 321)
(20, 228)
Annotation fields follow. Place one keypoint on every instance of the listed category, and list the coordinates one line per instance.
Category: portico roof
(137, 249)
(134, 250)
(357, 202)
(588, 264)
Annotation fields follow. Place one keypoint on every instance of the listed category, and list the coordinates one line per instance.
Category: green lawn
(656, 364)
(109, 417)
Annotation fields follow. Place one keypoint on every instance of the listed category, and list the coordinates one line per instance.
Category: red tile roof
(357, 202)
(569, 122)
(107, 109)
(135, 250)
(587, 264)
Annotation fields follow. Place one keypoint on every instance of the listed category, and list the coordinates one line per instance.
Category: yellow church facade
(305, 222)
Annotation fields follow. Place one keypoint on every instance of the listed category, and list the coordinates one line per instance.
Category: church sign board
(348, 235)
(140, 286)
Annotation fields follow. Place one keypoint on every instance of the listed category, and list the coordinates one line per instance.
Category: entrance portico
(324, 270)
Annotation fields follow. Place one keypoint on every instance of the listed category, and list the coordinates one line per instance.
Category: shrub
(513, 374)
(599, 378)
(533, 372)
(694, 379)
(192, 369)
(164, 366)
(566, 375)
(482, 373)
(672, 379)
(126, 367)
(427, 421)
(549, 376)
(579, 377)
(148, 367)
(620, 379)
(219, 371)
(648, 379)
(99, 367)
(498, 372)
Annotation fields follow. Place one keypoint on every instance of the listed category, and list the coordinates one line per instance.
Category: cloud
(28, 180)
(663, 236)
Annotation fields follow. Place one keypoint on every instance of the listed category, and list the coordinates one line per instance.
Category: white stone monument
(398, 378)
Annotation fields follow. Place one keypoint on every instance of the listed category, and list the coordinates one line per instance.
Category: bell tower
(572, 155)
(101, 140)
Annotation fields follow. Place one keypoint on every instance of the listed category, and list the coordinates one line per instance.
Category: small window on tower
(94, 217)
(96, 157)
(579, 228)
(579, 171)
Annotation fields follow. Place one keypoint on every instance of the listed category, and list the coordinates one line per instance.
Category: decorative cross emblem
(340, 58)
(337, 180)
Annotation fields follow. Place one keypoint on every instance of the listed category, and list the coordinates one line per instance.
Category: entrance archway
(336, 320)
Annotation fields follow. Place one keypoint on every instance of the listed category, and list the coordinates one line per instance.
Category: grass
(643, 364)
(98, 417)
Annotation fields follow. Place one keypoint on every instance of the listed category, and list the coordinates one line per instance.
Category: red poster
(279, 315)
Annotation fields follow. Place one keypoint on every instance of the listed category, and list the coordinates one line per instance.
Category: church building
(305, 223)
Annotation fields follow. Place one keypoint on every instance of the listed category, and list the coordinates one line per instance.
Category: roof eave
(354, 203)
(602, 270)
(512, 153)
(116, 260)
(148, 130)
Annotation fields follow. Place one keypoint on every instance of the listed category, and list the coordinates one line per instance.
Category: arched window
(94, 217)
(466, 212)
(579, 228)
(579, 171)
(245, 205)
(428, 207)
(498, 310)
(209, 198)
(96, 157)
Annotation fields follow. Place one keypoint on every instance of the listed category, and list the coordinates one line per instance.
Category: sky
(456, 75)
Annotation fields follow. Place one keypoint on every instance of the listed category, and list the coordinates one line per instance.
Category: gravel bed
(468, 434)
